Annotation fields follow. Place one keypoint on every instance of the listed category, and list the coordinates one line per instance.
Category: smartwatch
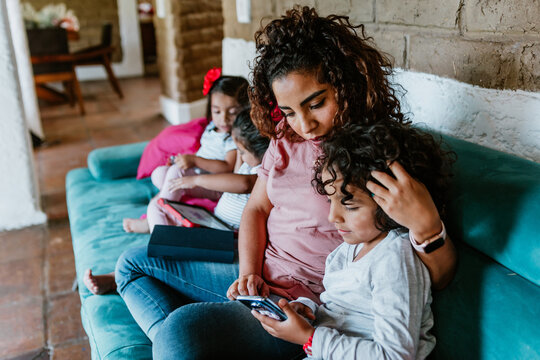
(430, 244)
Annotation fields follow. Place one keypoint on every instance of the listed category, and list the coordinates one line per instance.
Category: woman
(321, 74)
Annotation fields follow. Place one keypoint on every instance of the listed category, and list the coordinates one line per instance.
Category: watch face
(434, 245)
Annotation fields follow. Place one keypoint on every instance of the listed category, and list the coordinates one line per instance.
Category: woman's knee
(181, 335)
(126, 265)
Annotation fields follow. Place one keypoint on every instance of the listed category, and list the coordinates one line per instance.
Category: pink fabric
(176, 139)
(161, 177)
(300, 235)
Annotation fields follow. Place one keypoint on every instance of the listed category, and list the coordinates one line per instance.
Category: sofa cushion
(494, 207)
(113, 334)
(96, 209)
(487, 312)
(173, 140)
(115, 162)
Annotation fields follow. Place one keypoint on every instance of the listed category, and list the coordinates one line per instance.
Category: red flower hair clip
(211, 76)
(276, 113)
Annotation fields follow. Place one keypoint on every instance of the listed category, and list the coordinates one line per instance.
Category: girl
(235, 187)
(376, 302)
(227, 95)
(321, 74)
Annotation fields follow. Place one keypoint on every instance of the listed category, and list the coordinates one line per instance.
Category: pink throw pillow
(175, 139)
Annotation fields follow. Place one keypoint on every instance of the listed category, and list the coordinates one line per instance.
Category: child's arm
(227, 182)
(409, 203)
(252, 244)
(400, 292)
(187, 161)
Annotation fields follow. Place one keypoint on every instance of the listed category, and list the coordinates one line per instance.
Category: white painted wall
(19, 204)
(130, 37)
(505, 120)
(24, 67)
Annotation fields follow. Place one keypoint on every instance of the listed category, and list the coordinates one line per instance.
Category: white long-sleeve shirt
(375, 308)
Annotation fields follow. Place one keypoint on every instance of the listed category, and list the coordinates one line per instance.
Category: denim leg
(152, 288)
(218, 331)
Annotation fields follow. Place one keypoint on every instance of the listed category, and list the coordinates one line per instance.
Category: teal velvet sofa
(490, 311)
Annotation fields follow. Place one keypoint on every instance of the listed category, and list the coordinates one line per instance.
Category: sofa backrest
(495, 206)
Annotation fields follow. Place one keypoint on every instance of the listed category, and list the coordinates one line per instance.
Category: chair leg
(68, 88)
(112, 78)
(77, 90)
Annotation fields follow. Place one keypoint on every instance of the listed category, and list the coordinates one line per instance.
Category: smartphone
(263, 305)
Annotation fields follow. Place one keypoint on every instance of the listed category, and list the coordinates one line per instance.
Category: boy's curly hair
(333, 50)
(245, 131)
(355, 151)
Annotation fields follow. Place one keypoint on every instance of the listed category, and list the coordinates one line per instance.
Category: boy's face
(355, 221)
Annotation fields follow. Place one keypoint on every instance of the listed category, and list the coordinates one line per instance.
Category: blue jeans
(152, 288)
(218, 331)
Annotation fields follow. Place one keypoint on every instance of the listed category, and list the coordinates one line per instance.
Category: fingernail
(372, 194)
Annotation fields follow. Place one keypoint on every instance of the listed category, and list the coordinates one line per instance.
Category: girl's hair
(233, 86)
(245, 131)
(334, 51)
(356, 150)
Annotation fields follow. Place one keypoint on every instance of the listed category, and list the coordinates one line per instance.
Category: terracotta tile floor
(39, 313)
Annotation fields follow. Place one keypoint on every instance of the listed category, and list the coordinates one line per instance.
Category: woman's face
(308, 106)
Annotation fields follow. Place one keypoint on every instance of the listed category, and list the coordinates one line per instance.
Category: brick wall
(493, 44)
(91, 14)
(188, 44)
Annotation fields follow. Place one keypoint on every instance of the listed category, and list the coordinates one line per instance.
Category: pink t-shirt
(300, 237)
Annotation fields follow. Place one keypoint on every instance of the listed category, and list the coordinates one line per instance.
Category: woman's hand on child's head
(185, 182)
(251, 284)
(406, 201)
(185, 161)
(295, 329)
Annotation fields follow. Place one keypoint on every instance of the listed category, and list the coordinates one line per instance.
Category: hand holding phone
(263, 305)
(294, 328)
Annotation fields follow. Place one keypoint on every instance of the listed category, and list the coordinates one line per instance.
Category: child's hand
(185, 161)
(295, 329)
(302, 309)
(406, 201)
(248, 285)
(184, 182)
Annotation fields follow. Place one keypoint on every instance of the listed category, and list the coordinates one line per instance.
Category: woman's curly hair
(337, 53)
(244, 130)
(356, 150)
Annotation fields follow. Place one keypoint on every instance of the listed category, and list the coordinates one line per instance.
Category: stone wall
(91, 14)
(491, 48)
(188, 44)
(493, 44)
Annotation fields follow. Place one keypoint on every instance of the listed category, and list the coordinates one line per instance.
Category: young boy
(377, 295)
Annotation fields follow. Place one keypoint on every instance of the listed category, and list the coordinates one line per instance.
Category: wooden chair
(52, 62)
(100, 55)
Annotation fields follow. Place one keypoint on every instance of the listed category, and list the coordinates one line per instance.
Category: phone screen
(263, 305)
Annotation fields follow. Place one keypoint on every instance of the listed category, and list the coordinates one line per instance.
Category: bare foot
(136, 225)
(99, 284)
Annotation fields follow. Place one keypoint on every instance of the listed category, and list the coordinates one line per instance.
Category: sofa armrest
(115, 162)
